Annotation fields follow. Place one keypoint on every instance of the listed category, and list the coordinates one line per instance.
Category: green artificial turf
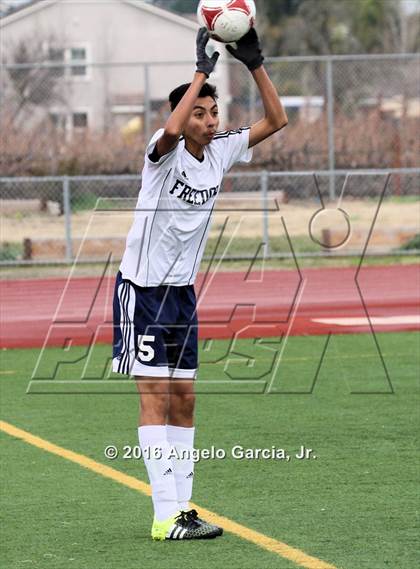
(353, 506)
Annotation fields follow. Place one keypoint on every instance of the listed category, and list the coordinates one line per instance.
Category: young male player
(155, 331)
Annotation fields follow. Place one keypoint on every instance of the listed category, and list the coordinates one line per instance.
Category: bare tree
(33, 83)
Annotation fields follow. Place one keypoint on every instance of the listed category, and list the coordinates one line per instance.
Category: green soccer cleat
(183, 526)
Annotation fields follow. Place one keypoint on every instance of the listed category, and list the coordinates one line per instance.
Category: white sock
(160, 470)
(182, 438)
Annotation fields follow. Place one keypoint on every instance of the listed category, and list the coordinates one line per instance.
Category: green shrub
(413, 243)
(10, 251)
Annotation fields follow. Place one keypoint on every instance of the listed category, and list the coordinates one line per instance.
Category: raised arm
(249, 52)
(180, 115)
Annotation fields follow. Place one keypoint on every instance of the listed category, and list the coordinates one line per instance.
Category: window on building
(58, 120)
(57, 55)
(78, 54)
(69, 55)
(80, 120)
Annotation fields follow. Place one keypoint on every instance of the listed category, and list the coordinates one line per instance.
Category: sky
(411, 6)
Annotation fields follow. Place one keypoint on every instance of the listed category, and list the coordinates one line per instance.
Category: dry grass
(297, 215)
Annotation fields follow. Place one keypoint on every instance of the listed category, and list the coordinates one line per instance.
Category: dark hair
(207, 90)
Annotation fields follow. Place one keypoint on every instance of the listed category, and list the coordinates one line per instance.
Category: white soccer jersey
(172, 218)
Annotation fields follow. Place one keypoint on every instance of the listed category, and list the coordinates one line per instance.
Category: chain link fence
(56, 219)
(347, 114)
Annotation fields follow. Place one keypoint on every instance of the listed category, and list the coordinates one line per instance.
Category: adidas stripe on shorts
(155, 330)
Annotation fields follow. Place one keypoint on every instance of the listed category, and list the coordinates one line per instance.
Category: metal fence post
(264, 200)
(330, 124)
(147, 105)
(252, 100)
(67, 218)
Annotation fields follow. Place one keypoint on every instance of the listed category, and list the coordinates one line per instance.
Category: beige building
(129, 57)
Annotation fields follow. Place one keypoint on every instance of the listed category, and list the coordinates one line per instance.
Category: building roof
(38, 5)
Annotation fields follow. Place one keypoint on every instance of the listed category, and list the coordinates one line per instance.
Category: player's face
(203, 121)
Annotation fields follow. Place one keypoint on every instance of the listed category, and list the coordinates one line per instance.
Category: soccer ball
(226, 20)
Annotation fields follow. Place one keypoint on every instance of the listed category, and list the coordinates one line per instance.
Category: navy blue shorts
(155, 330)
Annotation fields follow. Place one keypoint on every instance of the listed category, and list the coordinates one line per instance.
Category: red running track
(60, 313)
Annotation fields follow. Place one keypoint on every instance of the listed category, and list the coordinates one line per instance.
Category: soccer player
(155, 322)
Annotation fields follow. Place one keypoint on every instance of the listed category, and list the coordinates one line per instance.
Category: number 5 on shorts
(146, 353)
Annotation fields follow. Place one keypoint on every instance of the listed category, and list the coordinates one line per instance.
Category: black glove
(248, 50)
(205, 64)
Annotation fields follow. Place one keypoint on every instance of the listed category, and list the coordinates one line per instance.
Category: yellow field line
(263, 541)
